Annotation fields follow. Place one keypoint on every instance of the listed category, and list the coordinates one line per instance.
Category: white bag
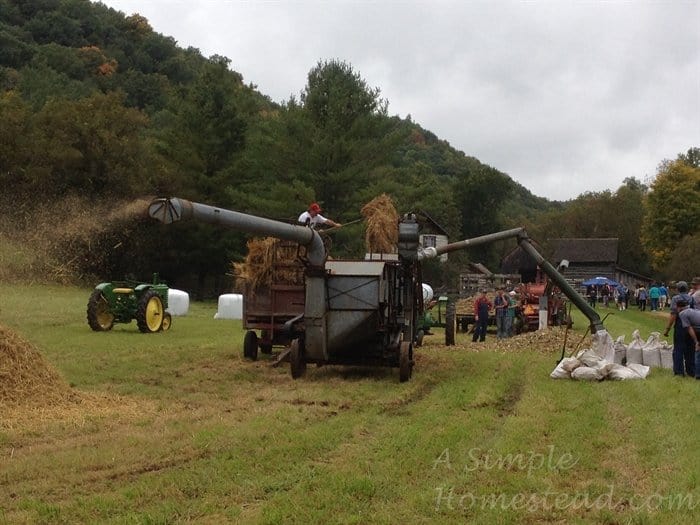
(603, 346)
(586, 373)
(570, 363)
(591, 359)
(634, 350)
(620, 351)
(650, 352)
(564, 368)
(642, 370)
(620, 373)
(666, 353)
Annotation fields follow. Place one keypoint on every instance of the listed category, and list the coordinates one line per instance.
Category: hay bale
(25, 377)
(382, 235)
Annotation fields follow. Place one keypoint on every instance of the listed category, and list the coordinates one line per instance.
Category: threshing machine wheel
(450, 322)
(405, 361)
(265, 348)
(149, 315)
(296, 359)
(250, 345)
(167, 321)
(99, 316)
(419, 337)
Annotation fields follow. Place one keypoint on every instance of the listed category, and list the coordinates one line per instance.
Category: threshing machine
(355, 312)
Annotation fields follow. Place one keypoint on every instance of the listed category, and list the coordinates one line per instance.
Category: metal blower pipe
(431, 252)
(595, 323)
(524, 241)
(173, 209)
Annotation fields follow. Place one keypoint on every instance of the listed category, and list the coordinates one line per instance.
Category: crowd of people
(656, 298)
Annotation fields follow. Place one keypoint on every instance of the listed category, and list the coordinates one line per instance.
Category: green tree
(672, 210)
(93, 145)
(683, 260)
(627, 217)
(336, 96)
(15, 143)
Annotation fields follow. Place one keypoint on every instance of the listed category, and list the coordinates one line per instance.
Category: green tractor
(122, 301)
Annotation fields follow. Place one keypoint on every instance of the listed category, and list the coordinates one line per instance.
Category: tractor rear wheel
(296, 359)
(250, 345)
(99, 315)
(167, 321)
(149, 314)
(405, 361)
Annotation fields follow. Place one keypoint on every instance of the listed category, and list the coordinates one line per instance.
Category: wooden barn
(587, 258)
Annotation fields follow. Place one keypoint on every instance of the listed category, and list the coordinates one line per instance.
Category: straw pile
(382, 234)
(268, 260)
(25, 377)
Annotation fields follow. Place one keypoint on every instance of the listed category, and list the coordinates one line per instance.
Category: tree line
(95, 103)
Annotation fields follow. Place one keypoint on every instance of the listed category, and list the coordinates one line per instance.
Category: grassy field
(177, 427)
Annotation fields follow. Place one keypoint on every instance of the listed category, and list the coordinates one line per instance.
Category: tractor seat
(123, 290)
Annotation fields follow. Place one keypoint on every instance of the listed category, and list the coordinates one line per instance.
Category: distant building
(433, 234)
(586, 258)
(590, 258)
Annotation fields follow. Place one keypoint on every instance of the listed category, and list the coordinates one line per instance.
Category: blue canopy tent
(599, 281)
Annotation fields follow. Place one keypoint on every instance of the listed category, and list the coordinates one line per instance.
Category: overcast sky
(565, 97)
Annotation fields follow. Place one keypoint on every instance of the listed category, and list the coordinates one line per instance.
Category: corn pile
(550, 341)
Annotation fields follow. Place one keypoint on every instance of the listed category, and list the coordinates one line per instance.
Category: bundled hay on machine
(382, 235)
(268, 260)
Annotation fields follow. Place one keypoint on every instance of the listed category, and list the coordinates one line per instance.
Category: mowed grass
(197, 434)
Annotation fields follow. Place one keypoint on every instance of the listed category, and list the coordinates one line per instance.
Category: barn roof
(432, 222)
(585, 250)
(518, 259)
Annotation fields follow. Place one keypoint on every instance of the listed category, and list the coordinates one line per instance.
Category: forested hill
(96, 105)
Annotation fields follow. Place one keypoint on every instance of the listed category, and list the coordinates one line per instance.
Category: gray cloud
(565, 98)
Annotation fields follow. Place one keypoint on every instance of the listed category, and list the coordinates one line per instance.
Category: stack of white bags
(615, 360)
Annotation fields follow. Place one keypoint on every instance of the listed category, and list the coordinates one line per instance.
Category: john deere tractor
(120, 302)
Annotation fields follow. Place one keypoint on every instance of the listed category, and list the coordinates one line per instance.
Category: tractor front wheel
(167, 321)
(150, 312)
(99, 315)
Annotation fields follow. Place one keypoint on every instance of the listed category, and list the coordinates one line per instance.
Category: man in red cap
(312, 217)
